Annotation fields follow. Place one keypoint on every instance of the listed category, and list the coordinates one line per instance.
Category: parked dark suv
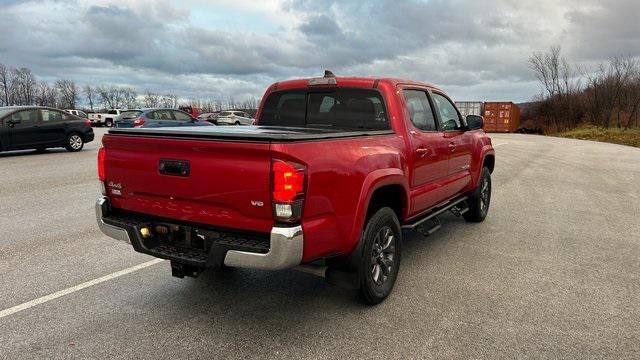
(35, 127)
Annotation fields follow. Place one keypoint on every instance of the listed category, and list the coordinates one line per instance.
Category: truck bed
(248, 133)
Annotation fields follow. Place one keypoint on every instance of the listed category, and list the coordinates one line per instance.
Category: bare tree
(23, 86)
(5, 85)
(90, 94)
(554, 72)
(47, 95)
(150, 99)
(68, 93)
(129, 98)
(169, 101)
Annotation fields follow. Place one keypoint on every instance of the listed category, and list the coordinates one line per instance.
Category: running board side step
(433, 215)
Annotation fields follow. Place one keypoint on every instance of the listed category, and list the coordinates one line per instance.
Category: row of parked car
(37, 127)
(126, 118)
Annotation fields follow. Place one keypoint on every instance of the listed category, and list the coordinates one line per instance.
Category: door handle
(422, 152)
(452, 147)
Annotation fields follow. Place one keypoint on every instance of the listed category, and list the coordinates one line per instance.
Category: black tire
(237, 123)
(108, 123)
(382, 245)
(480, 199)
(74, 142)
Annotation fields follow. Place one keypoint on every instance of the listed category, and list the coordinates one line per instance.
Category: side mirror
(475, 122)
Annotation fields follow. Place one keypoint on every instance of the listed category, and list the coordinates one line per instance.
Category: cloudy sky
(475, 50)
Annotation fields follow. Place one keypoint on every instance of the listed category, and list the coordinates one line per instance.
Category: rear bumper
(89, 136)
(285, 248)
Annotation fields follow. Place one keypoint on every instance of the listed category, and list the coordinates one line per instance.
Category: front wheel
(74, 142)
(380, 262)
(480, 199)
(108, 123)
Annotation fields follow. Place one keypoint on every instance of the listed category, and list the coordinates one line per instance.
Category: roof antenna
(328, 73)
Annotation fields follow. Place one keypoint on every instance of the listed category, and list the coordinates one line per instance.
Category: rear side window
(131, 114)
(180, 116)
(419, 110)
(50, 115)
(334, 108)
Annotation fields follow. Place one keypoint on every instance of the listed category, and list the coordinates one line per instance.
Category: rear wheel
(108, 123)
(237, 123)
(382, 240)
(74, 142)
(480, 199)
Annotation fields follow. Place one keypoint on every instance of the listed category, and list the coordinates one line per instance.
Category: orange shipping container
(501, 117)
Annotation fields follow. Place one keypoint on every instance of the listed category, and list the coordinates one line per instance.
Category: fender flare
(372, 182)
(486, 151)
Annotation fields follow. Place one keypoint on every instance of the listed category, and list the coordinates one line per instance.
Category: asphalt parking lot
(554, 272)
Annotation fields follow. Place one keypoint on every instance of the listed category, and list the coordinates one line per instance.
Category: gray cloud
(475, 50)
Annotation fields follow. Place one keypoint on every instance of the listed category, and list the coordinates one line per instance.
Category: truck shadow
(287, 302)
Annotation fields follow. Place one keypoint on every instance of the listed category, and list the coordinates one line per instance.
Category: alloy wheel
(75, 142)
(382, 256)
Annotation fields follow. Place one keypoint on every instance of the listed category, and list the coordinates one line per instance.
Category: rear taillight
(101, 155)
(138, 122)
(87, 122)
(288, 181)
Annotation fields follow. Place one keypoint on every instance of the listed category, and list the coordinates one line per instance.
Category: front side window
(449, 118)
(25, 117)
(332, 108)
(419, 110)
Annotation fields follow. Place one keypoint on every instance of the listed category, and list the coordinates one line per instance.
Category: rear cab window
(339, 108)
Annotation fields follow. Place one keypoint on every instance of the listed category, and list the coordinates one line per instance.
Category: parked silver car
(210, 117)
(233, 117)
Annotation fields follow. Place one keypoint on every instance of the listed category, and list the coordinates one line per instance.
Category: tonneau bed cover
(248, 133)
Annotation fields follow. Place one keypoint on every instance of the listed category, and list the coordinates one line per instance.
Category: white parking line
(84, 285)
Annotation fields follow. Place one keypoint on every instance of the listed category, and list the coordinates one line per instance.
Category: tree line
(19, 86)
(608, 96)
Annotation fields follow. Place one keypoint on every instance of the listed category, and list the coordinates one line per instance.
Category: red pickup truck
(327, 181)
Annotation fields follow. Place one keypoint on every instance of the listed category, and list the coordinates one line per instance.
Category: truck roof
(359, 82)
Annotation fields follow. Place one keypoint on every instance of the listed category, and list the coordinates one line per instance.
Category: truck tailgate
(226, 183)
